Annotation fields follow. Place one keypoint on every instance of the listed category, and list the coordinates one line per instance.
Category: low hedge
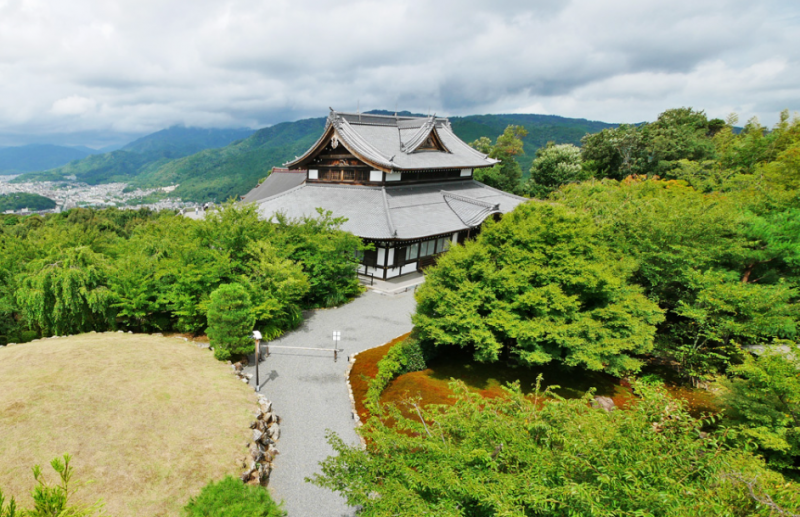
(411, 355)
(232, 498)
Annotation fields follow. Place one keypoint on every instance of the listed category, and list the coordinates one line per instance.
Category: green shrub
(230, 321)
(537, 454)
(231, 498)
(410, 355)
(9, 510)
(52, 500)
(762, 405)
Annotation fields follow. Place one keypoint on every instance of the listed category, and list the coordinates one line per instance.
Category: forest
(20, 200)
(666, 252)
(95, 270)
(661, 251)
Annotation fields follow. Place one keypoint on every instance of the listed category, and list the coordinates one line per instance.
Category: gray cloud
(95, 67)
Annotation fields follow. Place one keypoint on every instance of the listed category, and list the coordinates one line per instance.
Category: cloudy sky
(88, 69)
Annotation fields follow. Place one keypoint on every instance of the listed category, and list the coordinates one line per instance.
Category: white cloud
(73, 105)
(138, 66)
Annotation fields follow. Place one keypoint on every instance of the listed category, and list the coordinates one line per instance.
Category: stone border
(262, 451)
(351, 360)
(199, 344)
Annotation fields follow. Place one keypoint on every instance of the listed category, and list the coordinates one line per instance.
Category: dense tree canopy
(762, 399)
(537, 455)
(685, 247)
(555, 165)
(540, 286)
(678, 134)
(104, 269)
(507, 174)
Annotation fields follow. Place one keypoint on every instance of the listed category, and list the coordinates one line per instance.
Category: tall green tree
(723, 273)
(651, 149)
(328, 255)
(66, 293)
(277, 287)
(554, 166)
(230, 321)
(507, 174)
(539, 286)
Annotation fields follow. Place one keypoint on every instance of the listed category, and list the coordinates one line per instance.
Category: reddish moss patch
(365, 369)
(431, 386)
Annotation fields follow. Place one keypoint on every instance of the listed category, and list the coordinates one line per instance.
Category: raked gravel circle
(309, 392)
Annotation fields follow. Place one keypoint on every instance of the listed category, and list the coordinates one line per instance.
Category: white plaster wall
(409, 268)
(466, 172)
(313, 174)
(375, 175)
(390, 259)
(393, 176)
(393, 272)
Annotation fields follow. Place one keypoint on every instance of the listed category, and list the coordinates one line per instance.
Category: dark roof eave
(453, 167)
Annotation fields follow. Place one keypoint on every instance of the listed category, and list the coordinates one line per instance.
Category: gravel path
(309, 393)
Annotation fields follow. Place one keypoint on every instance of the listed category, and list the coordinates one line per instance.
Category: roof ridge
(420, 136)
(396, 117)
(475, 220)
(392, 229)
(468, 199)
(465, 145)
(345, 130)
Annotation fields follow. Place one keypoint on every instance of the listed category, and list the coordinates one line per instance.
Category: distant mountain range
(139, 156)
(36, 157)
(215, 164)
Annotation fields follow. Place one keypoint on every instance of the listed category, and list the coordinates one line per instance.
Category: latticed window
(348, 175)
(427, 248)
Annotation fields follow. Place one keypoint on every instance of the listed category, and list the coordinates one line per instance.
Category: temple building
(403, 183)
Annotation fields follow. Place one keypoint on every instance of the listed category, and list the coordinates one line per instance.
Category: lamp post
(257, 339)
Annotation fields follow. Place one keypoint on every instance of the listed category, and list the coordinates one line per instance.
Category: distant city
(72, 194)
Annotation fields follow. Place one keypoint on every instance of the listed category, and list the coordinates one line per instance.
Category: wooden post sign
(337, 336)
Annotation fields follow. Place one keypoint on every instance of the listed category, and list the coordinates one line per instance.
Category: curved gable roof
(389, 143)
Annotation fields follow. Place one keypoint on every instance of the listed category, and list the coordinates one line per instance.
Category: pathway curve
(308, 391)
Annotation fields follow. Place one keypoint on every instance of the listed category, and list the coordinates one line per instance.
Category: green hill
(220, 171)
(217, 174)
(178, 141)
(20, 200)
(141, 155)
(37, 157)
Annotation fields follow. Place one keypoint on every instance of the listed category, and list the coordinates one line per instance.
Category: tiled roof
(392, 142)
(276, 182)
(396, 212)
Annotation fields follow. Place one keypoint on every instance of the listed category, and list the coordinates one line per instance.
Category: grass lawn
(150, 420)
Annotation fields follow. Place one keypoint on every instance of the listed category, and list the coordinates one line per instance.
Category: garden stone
(605, 403)
(274, 431)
